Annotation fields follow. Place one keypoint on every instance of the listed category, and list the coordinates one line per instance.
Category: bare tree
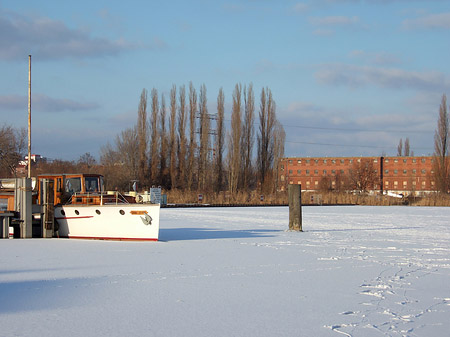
(248, 137)
(400, 148)
(86, 162)
(265, 136)
(362, 175)
(279, 137)
(120, 162)
(192, 142)
(154, 145)
(172, 137)
(204, 140)
(441, 149)
(182, 137)
(234, 140)
(220, 141)
(407, 149)
(142, 129)
(12, 149)
(163, 143)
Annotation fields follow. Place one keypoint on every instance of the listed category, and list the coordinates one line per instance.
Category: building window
(299, 161)
(316, 172)
(316, 161)
(299, 182)
(307, 172)
(423, 183)
(395, 171)
(342, 161)
(308, 161)
(307, 184)
(404, 161)
(375, 160)
(395, 160)
(324, 172)
(423, 160)
(333, 161)
(395, 184)
(414, 183)
(282, 177)
(424, 171)
(299, 171)
(405, 184)
(387, 183)
(405, 171)
(316, 183)
(290, 161)
(414, 171)
(324, 161)
(333, 172)
(414, 160)
(290, 171)
(386, 171)
(386, 160)
(342, 171)
(350, 161)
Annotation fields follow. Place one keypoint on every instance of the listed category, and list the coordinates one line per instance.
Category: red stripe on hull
(75, 217)
(107, 238)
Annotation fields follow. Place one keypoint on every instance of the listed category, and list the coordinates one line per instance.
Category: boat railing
(96, 198)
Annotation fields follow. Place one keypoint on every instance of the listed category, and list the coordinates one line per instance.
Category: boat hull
(109, 222)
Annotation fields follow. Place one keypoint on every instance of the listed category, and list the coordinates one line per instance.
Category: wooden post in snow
(295, 207)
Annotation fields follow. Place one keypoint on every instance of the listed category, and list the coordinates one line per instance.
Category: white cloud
(351, 75)
(334, 20)
(43, 103)
(51, 39)
(432, 21)
(300, 7)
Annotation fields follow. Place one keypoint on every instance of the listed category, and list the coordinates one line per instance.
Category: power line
(346, 145)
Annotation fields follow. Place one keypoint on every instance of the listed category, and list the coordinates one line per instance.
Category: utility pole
(29, 116)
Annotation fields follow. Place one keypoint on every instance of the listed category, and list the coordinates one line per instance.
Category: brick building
(399, 175)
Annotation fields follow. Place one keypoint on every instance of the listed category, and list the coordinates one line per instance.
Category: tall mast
(29, 116)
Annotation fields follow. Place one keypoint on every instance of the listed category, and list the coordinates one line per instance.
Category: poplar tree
(441, 149)
(172, 137)
(248, 137)
(234, 140)
(142, 129)
(154, 158)
(182, 137)
(204, 140)
(220, 141)
(192, 142)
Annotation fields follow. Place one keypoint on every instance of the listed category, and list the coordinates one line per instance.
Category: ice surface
(354, 271)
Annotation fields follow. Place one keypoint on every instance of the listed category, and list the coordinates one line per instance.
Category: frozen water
(354, 271)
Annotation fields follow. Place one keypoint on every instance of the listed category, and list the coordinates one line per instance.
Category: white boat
(84, 211)
(108, 222)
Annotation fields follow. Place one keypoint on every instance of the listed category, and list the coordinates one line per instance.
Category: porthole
(98, 212)
(122, 212)
(63, 213)
(76, 212)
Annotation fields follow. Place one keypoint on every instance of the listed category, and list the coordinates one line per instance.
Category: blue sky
(349, 77)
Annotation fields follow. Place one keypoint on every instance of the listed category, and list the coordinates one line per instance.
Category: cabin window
(73, 185)
(91, 184)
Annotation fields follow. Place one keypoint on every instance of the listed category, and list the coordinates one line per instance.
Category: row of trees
(185, 146)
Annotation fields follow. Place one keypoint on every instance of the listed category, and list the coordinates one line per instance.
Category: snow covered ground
(354, 271)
